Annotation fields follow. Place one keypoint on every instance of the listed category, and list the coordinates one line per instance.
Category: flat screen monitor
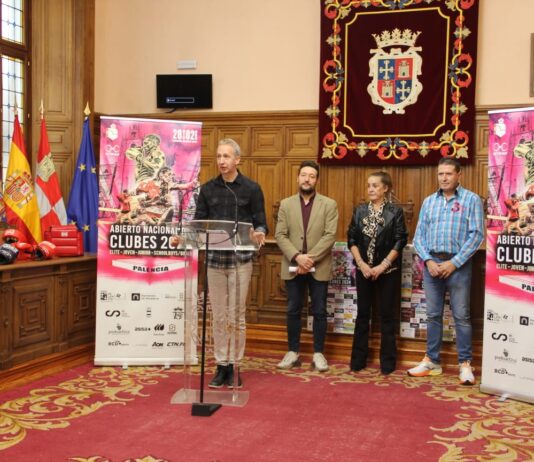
(182, 91)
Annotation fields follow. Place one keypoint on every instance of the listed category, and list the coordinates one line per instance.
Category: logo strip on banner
(148, 186)
(507, 359)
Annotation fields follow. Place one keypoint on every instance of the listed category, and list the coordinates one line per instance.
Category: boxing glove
(11, 235)
(8, 254)
(44, 251)
(26, 251)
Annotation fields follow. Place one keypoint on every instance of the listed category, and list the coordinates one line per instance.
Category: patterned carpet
(67, 416)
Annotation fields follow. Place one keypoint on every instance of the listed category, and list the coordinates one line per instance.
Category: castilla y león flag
(22, 209)
(49, 196)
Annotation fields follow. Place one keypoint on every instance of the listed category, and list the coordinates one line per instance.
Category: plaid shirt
(217, 202)
(454, 225)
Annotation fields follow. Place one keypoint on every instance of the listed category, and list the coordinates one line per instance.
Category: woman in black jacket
(376, 236)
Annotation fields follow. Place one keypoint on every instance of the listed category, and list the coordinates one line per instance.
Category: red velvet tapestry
(397, 83)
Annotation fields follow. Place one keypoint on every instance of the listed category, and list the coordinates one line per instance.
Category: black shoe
(220, 377)
(230, 378)
(357, 366)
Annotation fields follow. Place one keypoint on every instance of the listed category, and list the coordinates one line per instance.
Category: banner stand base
(506, 394)
(204, 409)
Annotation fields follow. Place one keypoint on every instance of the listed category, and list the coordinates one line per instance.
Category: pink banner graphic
(508, 358)
(148, 184)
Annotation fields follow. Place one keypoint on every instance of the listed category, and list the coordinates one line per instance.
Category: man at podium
(234, 197)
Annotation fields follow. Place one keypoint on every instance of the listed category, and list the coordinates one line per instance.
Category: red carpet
(107, 414)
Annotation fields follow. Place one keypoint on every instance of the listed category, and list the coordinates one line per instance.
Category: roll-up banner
(148, 184)
(508, 348)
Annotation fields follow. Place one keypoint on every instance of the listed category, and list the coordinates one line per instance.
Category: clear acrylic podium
(209, 235)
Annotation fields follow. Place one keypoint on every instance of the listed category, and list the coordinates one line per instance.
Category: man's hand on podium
(257, 236)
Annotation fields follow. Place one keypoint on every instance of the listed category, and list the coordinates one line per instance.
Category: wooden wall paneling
(240, 134)
(208, 166)
(290, 171)
(273, 302)
(301, 142)
(267, 172)
(480, 182)
(208, 142)
(266, 141)
(53, 49)
(333, 183)
(62, 76)
(254, 295)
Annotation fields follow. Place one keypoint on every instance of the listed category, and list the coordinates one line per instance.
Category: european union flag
(82, 208)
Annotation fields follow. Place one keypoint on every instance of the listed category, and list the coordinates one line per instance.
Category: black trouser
(385, 287)
(318, 291)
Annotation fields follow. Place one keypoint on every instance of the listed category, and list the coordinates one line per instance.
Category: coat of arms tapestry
(397, 81)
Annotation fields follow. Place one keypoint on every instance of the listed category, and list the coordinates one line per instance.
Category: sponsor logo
(503, 371)
(172, 328)
(159, 327)
(494, 316)
(112, 313)
(117, 343)
(118, 330)
(173, 344)
(505, 357)
(500, 336)
(523, 320)
(136, 297)
(148, 312)
(496, 336)
(157, 345)
(142, 329)
(177, 313)
(107, 296)
(527, 359)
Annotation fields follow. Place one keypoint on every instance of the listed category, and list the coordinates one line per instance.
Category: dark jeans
(295, 298)
(385, 286)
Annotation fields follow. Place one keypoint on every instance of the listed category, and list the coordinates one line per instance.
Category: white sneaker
(291, 359)
(319, 362)
(424, 368)
(466, 373)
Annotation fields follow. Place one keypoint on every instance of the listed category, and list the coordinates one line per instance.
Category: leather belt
(442, 255)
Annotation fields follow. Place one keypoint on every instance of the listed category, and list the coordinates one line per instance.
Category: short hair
(309, 163)
(233, 144)
(451, 161)
(386, 180)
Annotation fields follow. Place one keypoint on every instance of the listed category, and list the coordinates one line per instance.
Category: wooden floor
(45, 366)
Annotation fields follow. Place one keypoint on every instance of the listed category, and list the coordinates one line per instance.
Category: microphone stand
(202, 409)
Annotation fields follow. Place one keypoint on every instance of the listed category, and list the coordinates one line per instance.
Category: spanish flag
(22, 210)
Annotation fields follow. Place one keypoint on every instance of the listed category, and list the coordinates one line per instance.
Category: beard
(306, 189)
